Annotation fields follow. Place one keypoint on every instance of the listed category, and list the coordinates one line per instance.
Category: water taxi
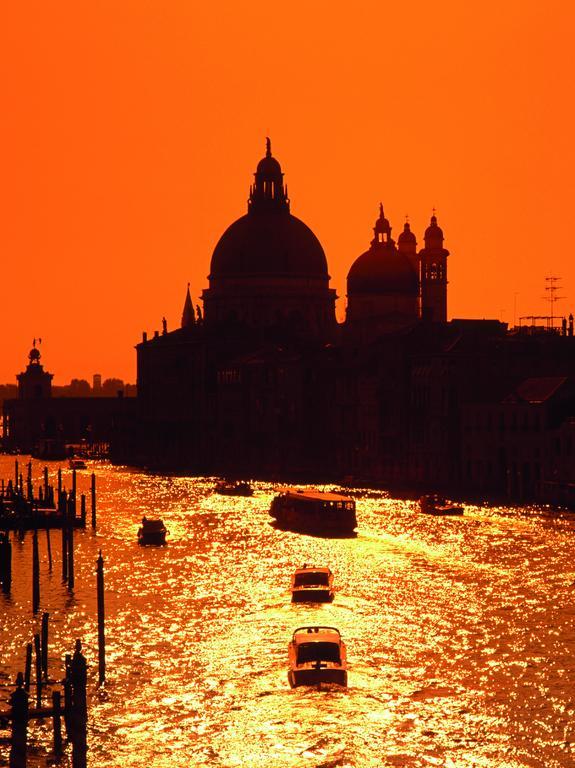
(152, 532)
(312, 585)
(317, 655)
(433, 504)
(229, 488)
(311, 511)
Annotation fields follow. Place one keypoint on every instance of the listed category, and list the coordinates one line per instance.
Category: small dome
(34, 355)
(271, 244)
(407, 235)
(382, 270)
(269, 167)
(433, 231)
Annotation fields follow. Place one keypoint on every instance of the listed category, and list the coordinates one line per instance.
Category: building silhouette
(265, 383)
(43, 419)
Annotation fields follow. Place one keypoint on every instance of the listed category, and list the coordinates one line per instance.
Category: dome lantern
(268, 191)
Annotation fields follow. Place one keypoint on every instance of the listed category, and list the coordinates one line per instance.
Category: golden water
(460, 633)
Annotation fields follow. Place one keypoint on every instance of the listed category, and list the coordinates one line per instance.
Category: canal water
(460, 633)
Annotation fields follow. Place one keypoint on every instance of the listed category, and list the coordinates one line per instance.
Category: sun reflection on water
(460, 633)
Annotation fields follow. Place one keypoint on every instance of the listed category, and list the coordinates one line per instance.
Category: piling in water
(45, 620)
(49, 547)
(68, 698)
(38, 651)
(101, 634)
(64, 553)
(28, 667)
(57, 722)
(19, 717)
(35, 573)
(5, 562)
(93, 500)
(70, 547)
(78, 674)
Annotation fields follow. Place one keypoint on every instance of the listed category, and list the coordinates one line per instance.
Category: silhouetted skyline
(131, 133)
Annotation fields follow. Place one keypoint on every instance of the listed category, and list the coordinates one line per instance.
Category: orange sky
(130, 129)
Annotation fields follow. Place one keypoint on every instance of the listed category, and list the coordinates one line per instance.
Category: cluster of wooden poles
(21, 508)
(63, 517)
(74, 709)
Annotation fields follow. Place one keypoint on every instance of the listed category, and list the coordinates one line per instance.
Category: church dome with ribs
(382, 269)
(268, 241)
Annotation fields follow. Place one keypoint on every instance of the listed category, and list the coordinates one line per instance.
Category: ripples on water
(459, 633)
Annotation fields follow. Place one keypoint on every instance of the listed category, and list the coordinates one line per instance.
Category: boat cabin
(317, 655)
(312, 585)
(314, 511)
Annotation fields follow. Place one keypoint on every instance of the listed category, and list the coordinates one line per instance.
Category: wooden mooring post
(57, 722)
(93, 500)
(19, 717)
(35, 573)
(5, 562)
(45, 621)
(70, 534)
(64, 553)
(28, 667)
(101, 615)
(38, 651)
(79, 675)
(49, 548)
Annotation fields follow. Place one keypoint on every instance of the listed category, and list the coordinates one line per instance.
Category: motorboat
(433, 504)
(317, 655)
(316, 512)
(312, 585)
(76, 463)
(152, 532)
(230, 488)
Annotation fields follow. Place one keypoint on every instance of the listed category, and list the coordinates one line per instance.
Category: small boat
(152, 532)
(312, 585)
(317, 655)
(433, 504)
(316, 512)
(230, 488)
(76, 463)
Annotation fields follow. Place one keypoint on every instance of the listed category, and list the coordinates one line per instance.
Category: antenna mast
(551, 289)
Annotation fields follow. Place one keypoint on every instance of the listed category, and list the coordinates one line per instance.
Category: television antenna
(551, 289)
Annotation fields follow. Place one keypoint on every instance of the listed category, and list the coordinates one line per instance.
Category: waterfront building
(43, 419)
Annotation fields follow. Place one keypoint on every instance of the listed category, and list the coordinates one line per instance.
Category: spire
(268, 147)
(188, 317)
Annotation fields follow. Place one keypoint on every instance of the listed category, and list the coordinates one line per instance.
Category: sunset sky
(130, 130)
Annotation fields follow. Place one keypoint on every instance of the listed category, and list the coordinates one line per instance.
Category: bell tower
(433, 274)
(35, 383)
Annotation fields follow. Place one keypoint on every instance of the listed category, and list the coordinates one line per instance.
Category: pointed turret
(188, 316)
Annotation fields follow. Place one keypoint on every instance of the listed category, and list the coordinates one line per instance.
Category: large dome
(382, 270)
(274, 244)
